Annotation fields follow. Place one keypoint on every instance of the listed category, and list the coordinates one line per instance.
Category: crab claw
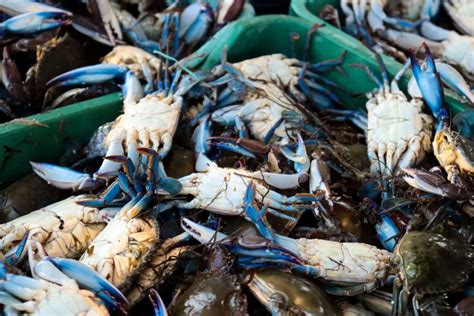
(17, 253)
(429, 82)
(64, 178)
(230, 144)
(132, 90)
(30, 23)
(285, 181)
(201, 233)
(195, 22)
(91, 280)
(387, 232)
(300, 158)
(434, 183)
(158, 306)
(88, 75)
(15, 7)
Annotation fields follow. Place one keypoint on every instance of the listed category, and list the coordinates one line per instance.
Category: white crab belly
(65, 228)
(345, 262)
(68, 302)
(111, 252)
(393, 121)
(223, 192)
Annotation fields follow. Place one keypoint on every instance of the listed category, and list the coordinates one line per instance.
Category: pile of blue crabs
(248, 189)
(43, 39)
(396, 27)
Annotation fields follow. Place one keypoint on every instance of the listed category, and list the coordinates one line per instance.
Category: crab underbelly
(392, 122)
(68, 302)
(345, 262)
(123, 245)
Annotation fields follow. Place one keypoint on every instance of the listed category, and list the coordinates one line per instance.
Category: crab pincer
(33, 22)
(452, 151)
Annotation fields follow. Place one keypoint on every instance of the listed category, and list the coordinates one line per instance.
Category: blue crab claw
(387, 232)
(158, 306)
(17, 253)
(3, 271)
(88, 75)
(434, 183)
(64, 178)
(285, 181)
(91, 280)
(256, 215)
(229, 144)
(201, 233)
(201, 134)
(195, 22)
(33, 22)
(300, 158)
(15, 7)
(430, 84)
(257, 252)
(201, 147)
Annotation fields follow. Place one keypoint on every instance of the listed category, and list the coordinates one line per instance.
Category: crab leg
(357, 117)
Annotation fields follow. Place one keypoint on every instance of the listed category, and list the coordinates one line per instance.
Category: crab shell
(161, 265)
(153, 119)
(453, 150)
(65, 229)
(301, 296)
(267, 109)
(271, 76)
(277, 69)
(135, 59)
(398, 132)
(430, 263)
(409, 9)
(345, 263)
(462, 14)
(121, 250)
(459, 50)
(60, 300)
(215, 293)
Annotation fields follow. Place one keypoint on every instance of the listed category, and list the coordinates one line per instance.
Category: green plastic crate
(21, 142)
(44, 137)
(309, 9)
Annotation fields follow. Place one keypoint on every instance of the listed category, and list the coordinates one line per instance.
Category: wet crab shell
(430, 263)
(410, 9)
(215, 293)
(124, 245)
(301, 296)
